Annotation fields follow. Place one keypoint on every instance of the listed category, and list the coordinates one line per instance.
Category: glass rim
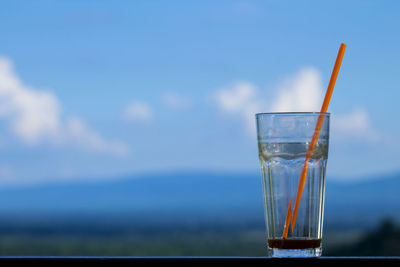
(292, 113)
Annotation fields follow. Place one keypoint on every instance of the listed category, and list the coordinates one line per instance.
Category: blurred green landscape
(94, 238)
(211, 214)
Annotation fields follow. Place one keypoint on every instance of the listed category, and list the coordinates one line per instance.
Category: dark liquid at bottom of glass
(281, 243)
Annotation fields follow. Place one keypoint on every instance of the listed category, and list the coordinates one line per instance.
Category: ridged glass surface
(283, 143)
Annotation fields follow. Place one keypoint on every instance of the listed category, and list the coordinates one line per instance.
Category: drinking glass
(283, 143)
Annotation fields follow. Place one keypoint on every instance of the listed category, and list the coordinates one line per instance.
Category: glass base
(295, 253)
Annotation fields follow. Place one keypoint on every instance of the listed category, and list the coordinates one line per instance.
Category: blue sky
(97, 89)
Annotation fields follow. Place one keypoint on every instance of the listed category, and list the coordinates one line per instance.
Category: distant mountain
(363, 202)
(172, 196)
(202, 194)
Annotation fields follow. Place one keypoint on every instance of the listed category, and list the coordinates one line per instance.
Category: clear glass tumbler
(293, 174)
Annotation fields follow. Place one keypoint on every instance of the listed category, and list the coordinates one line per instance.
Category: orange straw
(288, 219)
(291, 218)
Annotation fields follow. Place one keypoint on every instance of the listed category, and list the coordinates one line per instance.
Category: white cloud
(355, 124)
(236, 97)
(91, 140)
(301, 92)
(240, 99)
(138, 111)
(176, 101)
(34, 116)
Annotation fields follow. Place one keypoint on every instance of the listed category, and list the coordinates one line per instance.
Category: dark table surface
(203, 261)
